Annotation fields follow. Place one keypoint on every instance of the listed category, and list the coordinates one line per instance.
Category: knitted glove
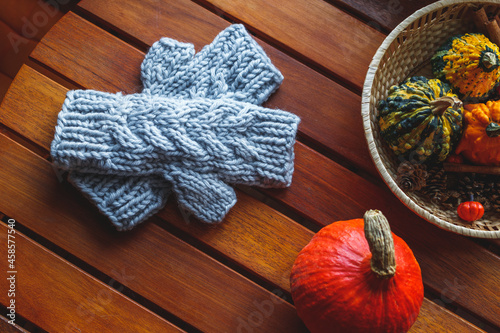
(197, 145)
(126, 201)
(232, 66)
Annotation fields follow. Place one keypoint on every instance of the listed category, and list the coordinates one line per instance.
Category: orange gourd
(356, 276)
(480, 142)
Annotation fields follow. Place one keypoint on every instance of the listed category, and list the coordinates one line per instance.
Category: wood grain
(122, 72)
(330, 116)
(22, 24)
(325, 192)
(14, 111)
(429, 322)
(253, 235)
(14, 50)
(313, 29)
(31, 18)
(5, 82)
(23, 141)
(62, 298)
(6, 327)
(150, 261)
(383, 14)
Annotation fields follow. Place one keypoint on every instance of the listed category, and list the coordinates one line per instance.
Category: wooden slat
(59, 297)
(314, 29)
(23, 141)
(5, 82)
(383, 14)
(150, 261)
(14, 48)
(32, 19)
(6, 327)
(320, 187)
(431, 319)
(119, 75)
(47, 96)
(253, 235)
(330, 116)
(78, 231)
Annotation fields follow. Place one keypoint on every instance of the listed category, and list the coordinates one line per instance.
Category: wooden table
(75, 273)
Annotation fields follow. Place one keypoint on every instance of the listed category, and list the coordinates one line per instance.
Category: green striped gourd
(421, 119)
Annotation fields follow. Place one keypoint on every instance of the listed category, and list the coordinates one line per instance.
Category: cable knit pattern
(169, 69)
(191, 131)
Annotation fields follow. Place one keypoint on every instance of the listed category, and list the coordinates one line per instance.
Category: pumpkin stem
(493, 130)
(489, 59)
(379, 237)
(440, 105)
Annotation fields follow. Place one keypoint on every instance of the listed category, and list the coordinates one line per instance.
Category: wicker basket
(404, 53)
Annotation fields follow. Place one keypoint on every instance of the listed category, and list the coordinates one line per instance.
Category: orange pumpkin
(480, 142)
(471, 210)
(356, 276)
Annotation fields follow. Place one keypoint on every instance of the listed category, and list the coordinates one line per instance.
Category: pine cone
(411, 177)
(493, 194)
(469, 185)
(495, 205)
(436, 188)
(452, 201)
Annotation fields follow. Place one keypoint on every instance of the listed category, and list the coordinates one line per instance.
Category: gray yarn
(232, 66)
(170, 68)
(126, 153)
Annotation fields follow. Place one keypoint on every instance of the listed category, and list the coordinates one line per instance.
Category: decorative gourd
(470, 211)
(480, 142)
(356, 276)
(470, 63)
(421, 119)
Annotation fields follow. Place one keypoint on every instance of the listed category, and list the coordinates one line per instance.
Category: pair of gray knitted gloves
(196, 128)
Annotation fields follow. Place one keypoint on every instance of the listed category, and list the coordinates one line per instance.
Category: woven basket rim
(365, 112)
